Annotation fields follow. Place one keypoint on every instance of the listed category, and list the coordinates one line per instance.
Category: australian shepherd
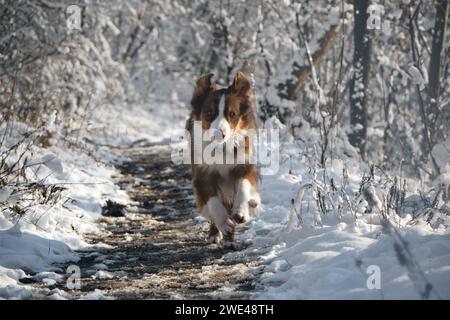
(225, 193)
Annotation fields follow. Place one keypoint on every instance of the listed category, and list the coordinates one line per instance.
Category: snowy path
(159, 250)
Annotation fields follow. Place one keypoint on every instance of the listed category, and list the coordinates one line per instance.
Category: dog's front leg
(218, 215)
(245, 201)
(214, 235)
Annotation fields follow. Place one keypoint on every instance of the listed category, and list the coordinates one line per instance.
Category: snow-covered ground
(338, 255)
(48, 234)
(320, 257)
(111, 77)
(332, 261)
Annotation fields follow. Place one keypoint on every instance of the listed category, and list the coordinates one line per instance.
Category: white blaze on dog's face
(223, 110)
(220, 126)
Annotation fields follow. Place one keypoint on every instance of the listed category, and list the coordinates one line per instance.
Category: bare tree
(359, 81)
(434, 73)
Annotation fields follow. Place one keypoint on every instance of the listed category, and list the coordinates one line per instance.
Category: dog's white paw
(254, 207)
(216, 238)
(252, 203)
(241, 213)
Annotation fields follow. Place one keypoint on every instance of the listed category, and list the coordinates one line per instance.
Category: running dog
(226, 193)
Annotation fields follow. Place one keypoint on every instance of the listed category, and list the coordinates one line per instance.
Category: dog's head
(223, 110)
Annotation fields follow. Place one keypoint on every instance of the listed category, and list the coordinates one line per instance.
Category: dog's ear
(242, 86)
(202, 87)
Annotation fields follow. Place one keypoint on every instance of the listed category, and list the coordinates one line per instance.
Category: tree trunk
(434, 73)
(359, 81)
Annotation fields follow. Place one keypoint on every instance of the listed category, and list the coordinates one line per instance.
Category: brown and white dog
(226, 193)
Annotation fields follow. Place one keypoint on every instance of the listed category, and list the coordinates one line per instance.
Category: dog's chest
(226, 188)
(225, 184)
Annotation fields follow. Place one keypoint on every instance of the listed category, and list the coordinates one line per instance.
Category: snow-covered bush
(48, 69)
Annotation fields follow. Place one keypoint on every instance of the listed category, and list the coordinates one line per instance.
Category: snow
(305, 254)
(332, 259)
(31, 244)
(53, 163)
(46, 235)
(96, 295)
(28, 251)
(441, 153)
(10, 286)
(5, 193)
(103, 275)
(314, 240)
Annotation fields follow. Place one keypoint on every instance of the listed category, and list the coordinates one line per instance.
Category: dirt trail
(159, 248)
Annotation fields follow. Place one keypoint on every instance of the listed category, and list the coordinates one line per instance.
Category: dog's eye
(209, 114)
(232, 114)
